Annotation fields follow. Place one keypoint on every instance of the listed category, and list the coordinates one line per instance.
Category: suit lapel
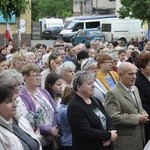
(126, 94)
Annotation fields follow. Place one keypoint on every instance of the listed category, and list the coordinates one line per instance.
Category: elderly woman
(16, 132)
(18, 61)
(105, 74)
(99, 89)
(54, 60)
(41, 108)
(91, 127)
(30, 58)
(12, 77)
(143, 84)
(66, 71)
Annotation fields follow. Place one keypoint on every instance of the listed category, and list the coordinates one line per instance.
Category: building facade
(90, 7)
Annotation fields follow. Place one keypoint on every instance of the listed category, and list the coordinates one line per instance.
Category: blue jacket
(65, 132)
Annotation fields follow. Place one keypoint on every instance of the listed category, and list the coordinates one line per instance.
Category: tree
(139, 9)
(51, 8)
(10, 7)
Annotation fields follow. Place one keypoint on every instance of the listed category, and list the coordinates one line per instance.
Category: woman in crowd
(64, 127)
(54, 60)
(53, 84)
(13, 78)
(18, 61)
(90, 125)
(41, 109)
(143, 84)
(99, 89)
(16, 132)
(105, 74)
(66, 71)
(30, 58)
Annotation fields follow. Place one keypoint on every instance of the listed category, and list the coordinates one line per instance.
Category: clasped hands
(113, 138)
(143, 117)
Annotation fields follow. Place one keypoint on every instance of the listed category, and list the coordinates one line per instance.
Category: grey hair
(88, 63)
(6, 76)
(80, 78)
(125, 66)
(61, 70)
(29, 54)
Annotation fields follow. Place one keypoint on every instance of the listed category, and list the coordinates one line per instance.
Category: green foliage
(9, 7)
(51, 8)
(139, 9)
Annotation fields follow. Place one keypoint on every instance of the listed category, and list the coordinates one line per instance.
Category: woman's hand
(113, 135)
(106, 143)
(55, 131)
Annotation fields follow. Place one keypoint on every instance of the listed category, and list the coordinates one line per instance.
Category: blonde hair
(15, 57)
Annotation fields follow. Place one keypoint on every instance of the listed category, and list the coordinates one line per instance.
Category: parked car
(86, 36)
(51, 33)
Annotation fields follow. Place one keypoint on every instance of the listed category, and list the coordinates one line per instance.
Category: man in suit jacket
(123, 104)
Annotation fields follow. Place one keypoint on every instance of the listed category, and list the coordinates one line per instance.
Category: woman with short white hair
(30, 58)
(66, 71)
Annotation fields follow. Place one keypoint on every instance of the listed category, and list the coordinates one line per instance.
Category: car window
(81, 33)
(106, 27)
(92, 24)
(94, 32)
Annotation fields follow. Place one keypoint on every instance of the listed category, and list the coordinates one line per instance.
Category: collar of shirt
(128, 89)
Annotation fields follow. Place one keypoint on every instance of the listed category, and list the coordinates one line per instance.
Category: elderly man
(123, 104)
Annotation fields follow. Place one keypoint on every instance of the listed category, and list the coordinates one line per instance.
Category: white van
(122, 29)
(51, 22)
(81, 22)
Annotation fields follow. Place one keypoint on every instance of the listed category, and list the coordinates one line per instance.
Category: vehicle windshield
(70, 25)
(66, 24)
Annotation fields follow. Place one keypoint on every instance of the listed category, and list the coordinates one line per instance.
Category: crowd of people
(75, 98)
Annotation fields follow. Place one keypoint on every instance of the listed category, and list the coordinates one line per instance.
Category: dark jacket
(87, 130)
(143, 85)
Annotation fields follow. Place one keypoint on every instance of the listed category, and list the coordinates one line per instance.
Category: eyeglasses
(35, 75)
(16, 85)
(110, 62)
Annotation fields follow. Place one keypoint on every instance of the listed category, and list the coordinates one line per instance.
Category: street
(48, 43)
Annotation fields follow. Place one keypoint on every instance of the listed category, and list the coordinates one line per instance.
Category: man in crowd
(123, 104)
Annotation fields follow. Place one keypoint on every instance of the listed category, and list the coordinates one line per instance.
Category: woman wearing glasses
(41, 108)
(105, 74)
